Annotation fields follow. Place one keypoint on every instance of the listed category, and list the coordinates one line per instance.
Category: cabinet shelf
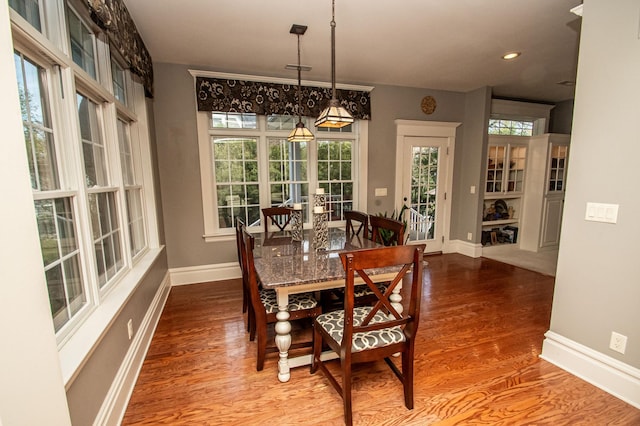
(499, 222)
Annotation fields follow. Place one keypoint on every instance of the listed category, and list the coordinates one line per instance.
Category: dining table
(290, 266)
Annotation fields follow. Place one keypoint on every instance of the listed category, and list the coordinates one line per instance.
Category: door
(423, 187)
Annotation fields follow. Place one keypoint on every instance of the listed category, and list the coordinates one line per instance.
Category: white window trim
(211, 231)
(50, 49)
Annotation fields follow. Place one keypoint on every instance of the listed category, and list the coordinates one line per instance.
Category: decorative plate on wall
(428, 105)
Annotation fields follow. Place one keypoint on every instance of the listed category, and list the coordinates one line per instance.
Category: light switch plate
(599, 212)
(381, 192)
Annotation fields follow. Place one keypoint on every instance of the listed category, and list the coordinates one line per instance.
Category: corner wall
(597, 283)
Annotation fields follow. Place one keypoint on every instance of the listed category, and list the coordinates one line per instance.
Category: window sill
(77, 349)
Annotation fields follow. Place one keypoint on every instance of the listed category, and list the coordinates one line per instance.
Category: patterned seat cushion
(364, 290)
(296, 301)
(333, 323)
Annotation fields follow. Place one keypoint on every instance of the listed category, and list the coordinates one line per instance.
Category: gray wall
(89, 389)
(597, 284)
(561, 117)
(178, 159)
(390, 103)
(175, 111)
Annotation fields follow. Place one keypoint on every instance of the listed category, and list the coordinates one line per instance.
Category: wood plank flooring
(477, 363)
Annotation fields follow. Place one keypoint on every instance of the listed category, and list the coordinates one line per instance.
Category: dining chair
(386, 231)
(265, 304)
(369, 333)
(246, 304)
(278, 216)
(354, 216)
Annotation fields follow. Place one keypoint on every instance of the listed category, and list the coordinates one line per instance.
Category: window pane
(92, 145)
(117, 76)
(287, 172)
(136, 220)
(81, 39)
(29, 10)
(510, 127)
(61, 258)
(233, 120)
(235, 169)
(106, 234)
(126, 158)
(38, 134)
(335, 174)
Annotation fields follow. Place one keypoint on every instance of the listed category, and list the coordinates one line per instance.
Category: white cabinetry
(504, 183)
(543, 201)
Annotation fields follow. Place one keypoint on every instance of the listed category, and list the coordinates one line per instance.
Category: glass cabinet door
(495, 168)
(557, 167)
(517, 160)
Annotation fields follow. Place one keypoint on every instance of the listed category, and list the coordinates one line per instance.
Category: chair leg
(251, 319)
(407, 374)
(262, 347)
(317, 348)
(346, 392)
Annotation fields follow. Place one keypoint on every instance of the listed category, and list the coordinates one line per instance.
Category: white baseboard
(612, 376)
(205, 273)
(115, 403)
(463, 247)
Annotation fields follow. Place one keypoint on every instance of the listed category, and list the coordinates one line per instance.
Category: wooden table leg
(283, 335)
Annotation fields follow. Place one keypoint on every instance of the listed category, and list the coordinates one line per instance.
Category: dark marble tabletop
(281, 262)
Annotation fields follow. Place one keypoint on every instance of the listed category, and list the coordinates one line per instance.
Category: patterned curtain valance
(223, 95)
(113, 17)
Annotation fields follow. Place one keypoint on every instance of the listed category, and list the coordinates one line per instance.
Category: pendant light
(334, 115)
(300, 133)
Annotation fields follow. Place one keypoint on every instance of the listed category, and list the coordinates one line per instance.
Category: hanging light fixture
(334, 115)
(300, 133)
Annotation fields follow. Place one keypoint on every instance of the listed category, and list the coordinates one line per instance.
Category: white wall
(31, 388)
(598, 275)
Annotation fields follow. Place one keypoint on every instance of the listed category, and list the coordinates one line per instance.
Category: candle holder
(296, 224)
(320, 221)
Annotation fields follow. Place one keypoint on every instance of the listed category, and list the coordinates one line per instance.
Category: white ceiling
(436, 44)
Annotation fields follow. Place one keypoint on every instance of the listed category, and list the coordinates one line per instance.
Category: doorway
(424, 166)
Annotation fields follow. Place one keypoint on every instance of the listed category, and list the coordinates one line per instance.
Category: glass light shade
(335, 116)
(300, 134)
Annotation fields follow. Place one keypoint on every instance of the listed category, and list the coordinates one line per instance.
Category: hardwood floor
(481, 331)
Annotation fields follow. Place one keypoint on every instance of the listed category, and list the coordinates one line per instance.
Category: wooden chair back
(364, 334)
(278, 216)
(361, 220)
(387, 231)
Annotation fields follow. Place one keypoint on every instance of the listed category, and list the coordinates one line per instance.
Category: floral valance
(113, 17)
(224, 95)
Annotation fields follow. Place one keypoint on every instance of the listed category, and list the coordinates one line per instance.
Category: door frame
(439, 129)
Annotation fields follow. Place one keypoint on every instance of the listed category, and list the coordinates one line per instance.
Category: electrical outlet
(618, 342)
(469, 236)
(130, 328)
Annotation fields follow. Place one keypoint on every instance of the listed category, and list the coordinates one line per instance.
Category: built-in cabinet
(524, 190)
(504, 187)
(543, 200)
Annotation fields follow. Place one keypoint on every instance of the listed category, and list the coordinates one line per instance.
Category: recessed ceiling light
(510, 55)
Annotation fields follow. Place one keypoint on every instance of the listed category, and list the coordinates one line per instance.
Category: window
(89, 170)
(102, 197)
(54, 210)
(510, 127)
(118, 79)
(29, 10)
(133, 190)
(248, 164)
(335, 174)
(82, 44)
